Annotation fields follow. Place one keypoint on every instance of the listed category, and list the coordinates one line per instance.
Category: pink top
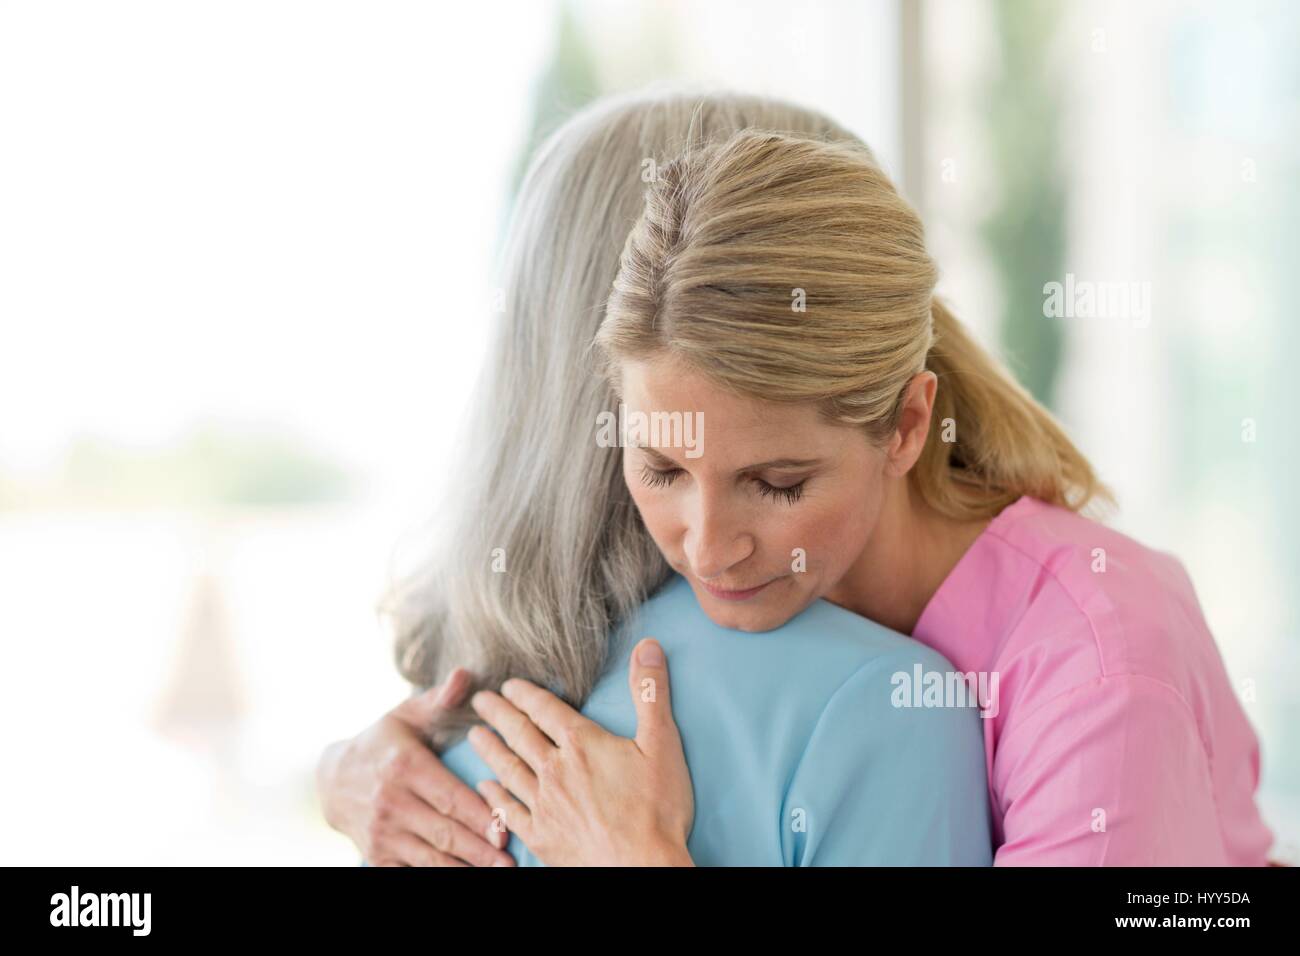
(1114, 736)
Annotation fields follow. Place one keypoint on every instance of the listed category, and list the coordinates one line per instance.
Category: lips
(727, 594)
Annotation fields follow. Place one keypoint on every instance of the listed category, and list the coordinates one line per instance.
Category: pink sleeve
(1111, 773)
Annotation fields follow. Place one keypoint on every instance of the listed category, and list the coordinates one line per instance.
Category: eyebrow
(662, 459)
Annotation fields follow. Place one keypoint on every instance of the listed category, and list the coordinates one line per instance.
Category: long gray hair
(539, 551)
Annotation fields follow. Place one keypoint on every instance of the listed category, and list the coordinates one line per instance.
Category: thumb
(648, 683)
(423, 706)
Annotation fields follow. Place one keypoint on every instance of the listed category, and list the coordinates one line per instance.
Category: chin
(743, 616)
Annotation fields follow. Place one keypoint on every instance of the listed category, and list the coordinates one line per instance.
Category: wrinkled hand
(388, 791)
(578, 795)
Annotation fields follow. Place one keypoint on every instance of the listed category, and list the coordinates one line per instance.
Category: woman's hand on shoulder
(389, 793)
(578, 795)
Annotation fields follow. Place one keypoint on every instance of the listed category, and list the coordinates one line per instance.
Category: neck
(912, 550)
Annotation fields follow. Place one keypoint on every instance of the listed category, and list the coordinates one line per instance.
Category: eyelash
(658, 479)
(791, 494)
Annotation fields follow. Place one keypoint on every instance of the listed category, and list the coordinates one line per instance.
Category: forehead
(736, 426)
(668, 385)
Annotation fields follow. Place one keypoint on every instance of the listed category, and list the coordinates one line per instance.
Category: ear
(913, 424)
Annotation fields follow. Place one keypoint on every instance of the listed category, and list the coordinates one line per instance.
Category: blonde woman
(548, 572)
(929, 492)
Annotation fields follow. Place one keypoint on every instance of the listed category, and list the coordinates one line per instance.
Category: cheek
(822, 533)
(832, 532)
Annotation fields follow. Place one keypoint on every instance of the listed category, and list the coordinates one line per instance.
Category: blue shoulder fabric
(911, 791)
(798, 755)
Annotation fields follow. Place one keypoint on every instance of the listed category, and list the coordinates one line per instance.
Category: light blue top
(797, 755)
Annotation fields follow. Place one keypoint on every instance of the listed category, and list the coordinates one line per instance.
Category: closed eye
(658, 479)
(791, 494)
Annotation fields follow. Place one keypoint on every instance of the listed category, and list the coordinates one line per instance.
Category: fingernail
(500, 863)
(650, 655)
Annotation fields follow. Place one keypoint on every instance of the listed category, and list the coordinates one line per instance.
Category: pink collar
(970, 614)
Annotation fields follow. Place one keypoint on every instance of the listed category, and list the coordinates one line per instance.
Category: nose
(716, 539)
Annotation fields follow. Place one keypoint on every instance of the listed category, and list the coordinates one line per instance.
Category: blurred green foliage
(569, 82)
(1026, 232)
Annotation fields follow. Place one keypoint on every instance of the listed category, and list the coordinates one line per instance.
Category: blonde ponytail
(990, 441)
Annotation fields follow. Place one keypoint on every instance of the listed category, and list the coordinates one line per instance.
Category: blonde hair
(541, 552)
(789, 269)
